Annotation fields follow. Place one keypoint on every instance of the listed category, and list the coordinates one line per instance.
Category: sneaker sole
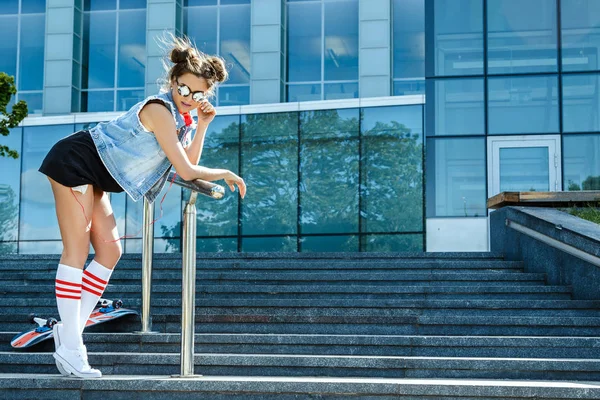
(59, 366)
(73, 371)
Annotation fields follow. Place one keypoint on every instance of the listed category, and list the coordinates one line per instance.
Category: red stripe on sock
(68, 283)
(60, 296)
(94, 277)
(92, 284)
(87, 289)
(68, 290)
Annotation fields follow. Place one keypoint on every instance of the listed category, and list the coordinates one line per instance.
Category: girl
(132, 153)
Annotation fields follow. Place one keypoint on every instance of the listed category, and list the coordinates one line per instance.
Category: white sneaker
(56, 333)
(75, 362)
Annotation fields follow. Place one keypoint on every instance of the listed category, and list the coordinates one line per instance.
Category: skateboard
(106, 310)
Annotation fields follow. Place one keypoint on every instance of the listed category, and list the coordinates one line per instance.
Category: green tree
(12, 119)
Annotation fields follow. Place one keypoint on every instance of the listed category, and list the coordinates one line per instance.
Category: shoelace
(83, 354)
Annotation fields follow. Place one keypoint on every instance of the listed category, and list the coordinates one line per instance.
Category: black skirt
(74, 161)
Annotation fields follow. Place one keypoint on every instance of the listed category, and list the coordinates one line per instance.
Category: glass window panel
(8, 44)
(10, 189)
(304, 42)
(9, 247)
(131, 4)
(581, 155)
(100, 41)
(329, 163)
(457, 106)
(523, 105)
(128, 98)
(519, 42)
(409, 38)
(234, 96)
(133, 245)
(31, 63)
(335, 91)
(225, 2)
(200, 3)
(581, 103)
(134, 218)
(393, 243)
(9, 7)
(31, 6)
(235, 42)
(303, 92)
(329, 244)
(456, 177)
(118, 203)
(221, 150)
(38, 215)
(169, 225)
(341, 40)
(580, 24)
(98, 101)
(204, 34)
(132, 48)
(524, 169)
(168, 245)
(94, 5)
(41, 247)
(34, 102)
(458, 37)
(409, 87)
(392, 169)
(270, 143)
(216, 246)
(281, 244)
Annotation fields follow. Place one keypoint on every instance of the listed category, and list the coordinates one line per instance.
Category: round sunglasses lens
(198, 97)
(184, 90)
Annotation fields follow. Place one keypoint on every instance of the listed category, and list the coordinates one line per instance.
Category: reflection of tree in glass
(590, 183)
(8, 219)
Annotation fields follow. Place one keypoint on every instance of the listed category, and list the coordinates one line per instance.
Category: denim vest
(132, 154)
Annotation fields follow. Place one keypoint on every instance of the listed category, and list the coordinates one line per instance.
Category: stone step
(373, 345)
(134, 387)
(112, 363)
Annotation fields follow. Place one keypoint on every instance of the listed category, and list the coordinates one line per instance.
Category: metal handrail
(188, 285)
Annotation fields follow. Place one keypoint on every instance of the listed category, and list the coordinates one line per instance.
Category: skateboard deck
(106, 310)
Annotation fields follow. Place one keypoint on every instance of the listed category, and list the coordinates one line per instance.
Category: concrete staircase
(290, 326)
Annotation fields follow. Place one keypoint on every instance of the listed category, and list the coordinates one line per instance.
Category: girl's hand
(206, 112)
(232, 179)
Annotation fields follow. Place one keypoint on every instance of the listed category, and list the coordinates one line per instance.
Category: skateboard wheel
(50, 322)
(117, 304)
(31, 318)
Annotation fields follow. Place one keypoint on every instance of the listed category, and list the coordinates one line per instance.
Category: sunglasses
(185, 91)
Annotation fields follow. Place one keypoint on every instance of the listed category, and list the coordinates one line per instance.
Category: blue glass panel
(458, 37)
(169, 225)
(269, 144)
(34, 102)
(329, 166)
(9, 7)
(582, 162)
(216, 246)
(518, 42)
(524, 169)
(191, 3)
(168, 245)
(393, 243)
(281, 244)
(235, 42)
(234, 95)
(304, 42)
(10, 188)
(225, 2)
(95, 5)
(41, 247)
(38, 215)
(98, 101)
(335, 91)
(409, 87)
(329, 244)
(456, 177)
(132, 4)
(132, 49)
(118, 202)
(128, 98)
(341, 40)
(221, 150)
(581, 103)
(133, 245)
(409, 38)
(31, 6)
(523, 105)
(392, 169)
(204, 35)
(303, 92)
(580, 24)
(457, 106)
(8, 44)
(99, 42)
(31, 63)
(134, 218)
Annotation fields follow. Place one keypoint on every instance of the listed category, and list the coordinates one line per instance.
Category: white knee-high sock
(68, 300)
(95, 279)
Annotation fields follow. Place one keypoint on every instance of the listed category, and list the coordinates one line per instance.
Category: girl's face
(188, 92)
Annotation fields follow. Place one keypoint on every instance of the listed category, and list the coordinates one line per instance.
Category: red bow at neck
(188, 119)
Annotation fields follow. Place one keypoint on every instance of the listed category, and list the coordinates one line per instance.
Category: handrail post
(188, 287)
(147, 252)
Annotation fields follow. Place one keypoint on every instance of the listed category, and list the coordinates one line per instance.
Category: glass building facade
(387, 124)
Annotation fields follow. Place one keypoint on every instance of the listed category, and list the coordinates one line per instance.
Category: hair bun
(179, 55)
(218, 65)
